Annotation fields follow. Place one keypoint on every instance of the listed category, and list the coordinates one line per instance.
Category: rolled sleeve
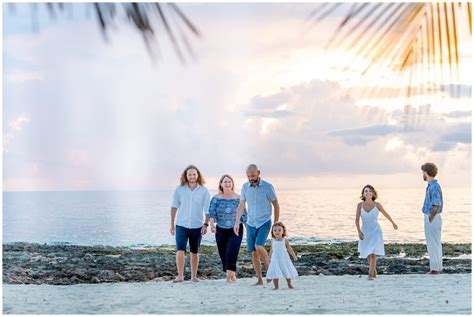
(435, 197)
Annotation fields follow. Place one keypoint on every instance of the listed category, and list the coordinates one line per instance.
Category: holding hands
(212, 224)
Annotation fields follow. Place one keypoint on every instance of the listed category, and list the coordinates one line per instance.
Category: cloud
(130, 125)
(269, 114)
(269, 102)
(14, 127)
(459, 114)
(457, 90)
(18, 123)
(306, 143)
(364, 135)
(330, 135)
(452, 136)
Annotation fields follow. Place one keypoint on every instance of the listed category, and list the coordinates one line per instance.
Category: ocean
(142, 218)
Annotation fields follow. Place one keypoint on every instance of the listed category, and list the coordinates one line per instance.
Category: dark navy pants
(228, 245)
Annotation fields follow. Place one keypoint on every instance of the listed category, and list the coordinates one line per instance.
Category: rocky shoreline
(64, 264)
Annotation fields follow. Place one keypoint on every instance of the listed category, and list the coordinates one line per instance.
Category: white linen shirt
(191, 205)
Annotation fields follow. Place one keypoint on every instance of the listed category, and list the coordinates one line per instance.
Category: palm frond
(142, 16)
(414, 39)
(326, 13)
(469, 16)
(355, 10)
(358, 25)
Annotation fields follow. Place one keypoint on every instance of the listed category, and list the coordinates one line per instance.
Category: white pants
(433, 242)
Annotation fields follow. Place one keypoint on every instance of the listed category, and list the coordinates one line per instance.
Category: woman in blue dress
(222, 214)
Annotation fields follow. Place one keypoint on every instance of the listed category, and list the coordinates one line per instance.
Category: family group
(227, 213)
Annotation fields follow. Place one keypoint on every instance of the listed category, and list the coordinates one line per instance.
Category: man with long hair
(190, 204)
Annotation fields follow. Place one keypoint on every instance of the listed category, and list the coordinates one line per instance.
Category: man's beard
(254, 182)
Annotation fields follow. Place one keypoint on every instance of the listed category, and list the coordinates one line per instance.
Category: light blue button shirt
(433, 197)
(192, 205)
(259, 202)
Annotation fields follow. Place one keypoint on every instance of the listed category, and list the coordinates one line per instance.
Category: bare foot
(178, 280)
(259, 282)
(195, 280)
(234, 278)
(275, 289)
(291, 286)
(371, 278)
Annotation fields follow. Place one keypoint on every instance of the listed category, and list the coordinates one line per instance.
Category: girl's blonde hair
(279, 224)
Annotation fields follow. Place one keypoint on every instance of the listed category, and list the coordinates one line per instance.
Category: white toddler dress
(280, 263)
(373, 238)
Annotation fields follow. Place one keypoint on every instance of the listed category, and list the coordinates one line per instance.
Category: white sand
(390, 294)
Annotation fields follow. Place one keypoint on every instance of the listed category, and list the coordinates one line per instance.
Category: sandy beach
(389, 294)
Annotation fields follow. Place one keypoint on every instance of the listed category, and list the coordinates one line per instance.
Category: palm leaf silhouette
(172, 21)
(414, 40)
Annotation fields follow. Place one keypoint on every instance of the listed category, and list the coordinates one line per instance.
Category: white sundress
(373, 238)
(280, 263)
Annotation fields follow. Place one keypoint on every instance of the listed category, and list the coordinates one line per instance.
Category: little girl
(280, 262)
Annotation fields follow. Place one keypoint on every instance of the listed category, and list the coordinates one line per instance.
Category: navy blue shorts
(183, 235)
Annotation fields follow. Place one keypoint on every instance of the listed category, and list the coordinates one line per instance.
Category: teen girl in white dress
(370, 236)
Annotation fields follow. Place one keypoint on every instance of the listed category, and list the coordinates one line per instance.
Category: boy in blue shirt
(432, 209)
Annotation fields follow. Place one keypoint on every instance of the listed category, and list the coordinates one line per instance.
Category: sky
(84, 113)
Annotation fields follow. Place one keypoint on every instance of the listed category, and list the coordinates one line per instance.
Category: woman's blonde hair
(221, 190)
(184, 178)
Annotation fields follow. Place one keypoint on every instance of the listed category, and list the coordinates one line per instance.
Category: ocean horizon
(142, 217)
